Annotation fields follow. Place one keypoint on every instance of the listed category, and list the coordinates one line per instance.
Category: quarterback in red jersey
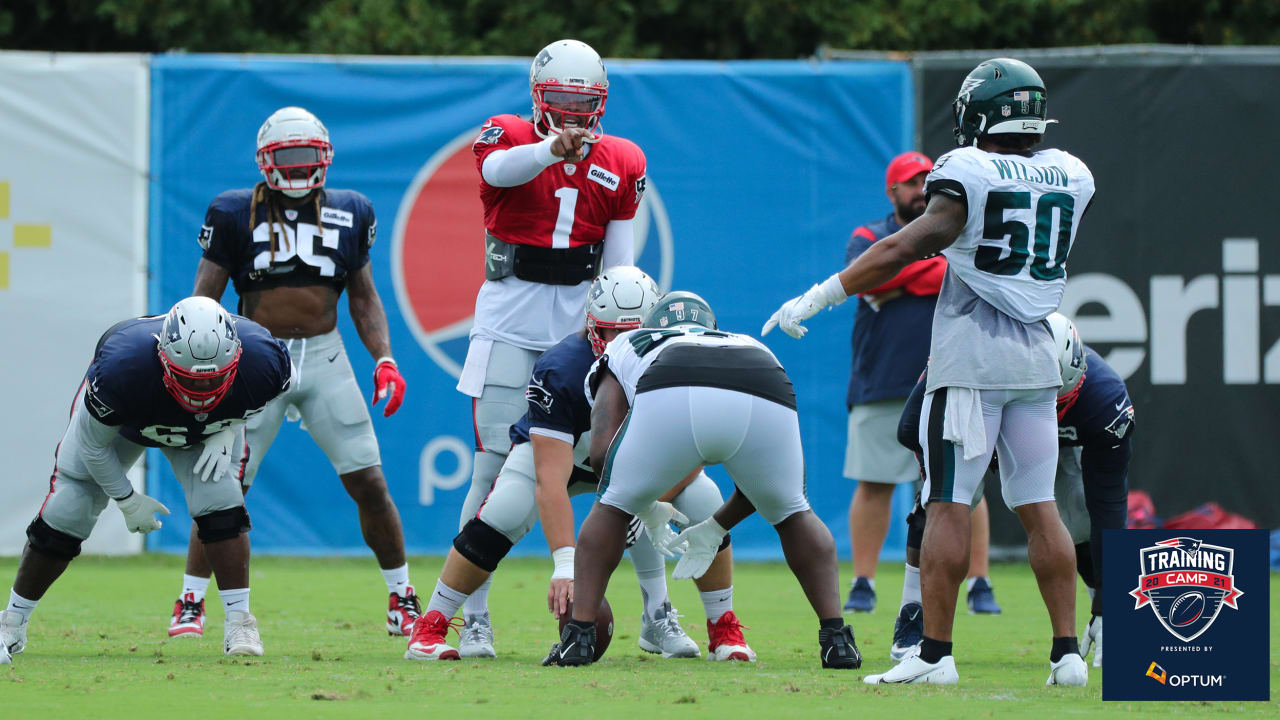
(560, 199)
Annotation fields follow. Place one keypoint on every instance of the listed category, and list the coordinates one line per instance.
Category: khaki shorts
(873, 453)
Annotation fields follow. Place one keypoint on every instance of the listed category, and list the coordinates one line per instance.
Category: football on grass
(604, 626)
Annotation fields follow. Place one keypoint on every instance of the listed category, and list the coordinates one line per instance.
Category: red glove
(387, 381)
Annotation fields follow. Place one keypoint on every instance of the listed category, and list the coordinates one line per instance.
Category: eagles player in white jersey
(1005, 216)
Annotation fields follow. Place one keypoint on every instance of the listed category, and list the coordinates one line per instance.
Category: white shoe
(13, 635)
(915, 670)
(476, 639)
(1093, 638)
(662, 634)
(1070, 670)
(240, 634)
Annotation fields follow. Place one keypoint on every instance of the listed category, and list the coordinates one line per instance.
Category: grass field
(97, 647)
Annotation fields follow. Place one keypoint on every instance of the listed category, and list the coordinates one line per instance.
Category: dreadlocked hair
(275, 223)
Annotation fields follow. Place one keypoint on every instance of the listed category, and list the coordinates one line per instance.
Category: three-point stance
(291, 246)
(184, 382)
(675, 395)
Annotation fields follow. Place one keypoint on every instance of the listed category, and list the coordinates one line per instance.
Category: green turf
(97, 648)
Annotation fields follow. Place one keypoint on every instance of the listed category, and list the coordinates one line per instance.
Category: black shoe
(839, 651)
(577, 646)
(862, 598)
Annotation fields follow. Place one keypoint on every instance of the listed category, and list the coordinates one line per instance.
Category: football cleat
(908, 632)
(13, 635)
(839, 650)
(726, 642)
(862, 598)
(914, 670)
(428, 640)
(982, 598)
(1093, 638)
(663, 634)
(1069, 670)
(402, 613)
(240, 634)
(188, 618)
(577, 646)
(475, 640)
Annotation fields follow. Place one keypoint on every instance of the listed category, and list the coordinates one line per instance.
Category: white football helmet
(1071, 359)
(200, 351)
(619, 298)
(294, 151)
(569, 87)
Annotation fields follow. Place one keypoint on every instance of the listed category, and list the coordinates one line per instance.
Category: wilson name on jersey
(1023, 215)
(308, 251)
(567, 204)
(125, 385)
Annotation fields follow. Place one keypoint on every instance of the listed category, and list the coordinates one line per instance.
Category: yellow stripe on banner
(32, 236)
(4, 199)
(4, 270)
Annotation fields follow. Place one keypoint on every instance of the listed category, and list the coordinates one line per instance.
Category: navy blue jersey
(309, 253)
(1102, 414)
(125, 385)
(557, 396)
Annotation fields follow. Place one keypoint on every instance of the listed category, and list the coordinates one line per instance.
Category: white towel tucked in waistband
(962, 422)
(476, 367)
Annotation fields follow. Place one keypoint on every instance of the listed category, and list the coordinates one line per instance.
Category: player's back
(1102, 411)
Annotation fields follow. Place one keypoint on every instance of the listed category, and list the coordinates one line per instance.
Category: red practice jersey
(566, 205)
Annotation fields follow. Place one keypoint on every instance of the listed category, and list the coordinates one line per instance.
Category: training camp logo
(1186, 583)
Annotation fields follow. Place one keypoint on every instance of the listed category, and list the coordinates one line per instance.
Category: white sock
(397, 579)
(653, 590)
(477, 602)
(197, 586)
(234, 600)
(717, 603)
(911, 587)
(20, 605)
(446, 600)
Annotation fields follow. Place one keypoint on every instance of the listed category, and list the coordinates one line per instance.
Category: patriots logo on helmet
(543, 58)
(1186, 582)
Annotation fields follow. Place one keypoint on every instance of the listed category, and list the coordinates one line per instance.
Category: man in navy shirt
(890, 344)
(1095, 431)
(185, 383)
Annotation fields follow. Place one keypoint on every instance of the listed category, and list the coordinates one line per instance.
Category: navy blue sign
(1187, 615)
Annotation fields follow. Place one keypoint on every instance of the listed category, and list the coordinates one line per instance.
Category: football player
(544, 468)
(1095, 428)
(185, 383)
(290, 246)
(560, 198)
(1005, 216)
(671, 397)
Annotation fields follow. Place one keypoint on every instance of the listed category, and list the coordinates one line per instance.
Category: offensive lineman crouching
(184, 382)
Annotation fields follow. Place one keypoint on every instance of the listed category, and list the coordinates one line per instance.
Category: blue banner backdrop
(758, 172)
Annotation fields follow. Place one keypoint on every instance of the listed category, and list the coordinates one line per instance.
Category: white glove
(139, 512)
(656, 519)
(216, 456)
(796, 310)
(703, 542)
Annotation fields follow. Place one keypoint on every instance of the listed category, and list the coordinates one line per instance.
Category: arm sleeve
(220, 238)
(99, 456)
(619, 243)
(517, 165)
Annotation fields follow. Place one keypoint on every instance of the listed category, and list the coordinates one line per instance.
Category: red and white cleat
(402, 613)
(726, 641)
(428, 641)
(188, 618)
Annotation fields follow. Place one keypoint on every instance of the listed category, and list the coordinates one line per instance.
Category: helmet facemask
(559, 106)
(595, 325)
(295, 167)
(198, 391)
(199, 353)
(617, 300)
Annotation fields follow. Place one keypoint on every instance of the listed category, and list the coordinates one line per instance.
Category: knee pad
(222, 525)
(482, 545)
(54, 543)
(915, 528)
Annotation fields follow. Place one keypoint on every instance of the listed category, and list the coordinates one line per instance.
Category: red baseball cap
(906, 166)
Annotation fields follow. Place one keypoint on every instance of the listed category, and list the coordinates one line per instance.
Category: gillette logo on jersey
(1186, 612)
(1186, 582)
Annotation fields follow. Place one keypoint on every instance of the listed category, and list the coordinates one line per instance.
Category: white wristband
(563, 558)
(833, 290)
(385, 359)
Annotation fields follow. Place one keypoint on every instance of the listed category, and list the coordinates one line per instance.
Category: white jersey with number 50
(1023, 211)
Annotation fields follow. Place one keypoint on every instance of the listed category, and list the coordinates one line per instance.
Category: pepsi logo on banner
(1192, 623)
(437, 249)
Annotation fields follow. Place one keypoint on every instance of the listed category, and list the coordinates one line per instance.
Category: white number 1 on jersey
(564, 222)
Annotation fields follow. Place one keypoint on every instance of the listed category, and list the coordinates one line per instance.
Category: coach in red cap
(890, 349)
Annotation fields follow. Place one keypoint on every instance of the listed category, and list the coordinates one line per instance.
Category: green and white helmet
(1002, 95)
(680, 307)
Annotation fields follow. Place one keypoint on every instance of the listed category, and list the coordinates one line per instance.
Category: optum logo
(1157, 673)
